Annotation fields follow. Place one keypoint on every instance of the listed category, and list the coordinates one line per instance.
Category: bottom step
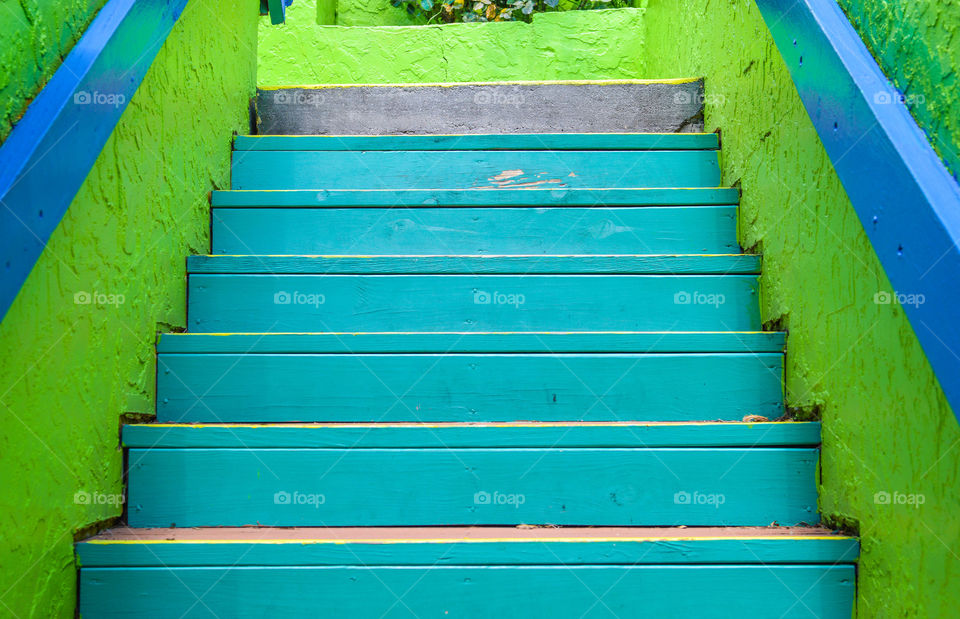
(468, 572)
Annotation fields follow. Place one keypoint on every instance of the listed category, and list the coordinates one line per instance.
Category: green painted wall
(70, 370)
(35, 36)
(917, 44)
(855, 363)
(886, 425)
(570, 45)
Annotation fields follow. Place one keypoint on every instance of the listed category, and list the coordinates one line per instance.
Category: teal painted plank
(347, 436)
(556, 196)
(499, 230)
(705, 592)
(461, 486)
(472, 169)
(465, 387)
(516, 141)
(278, 303)
(256, 549)
(467, 341)
(467, 264)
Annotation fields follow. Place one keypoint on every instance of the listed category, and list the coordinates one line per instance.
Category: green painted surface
(917, 44)
(568, 45)
(35, 36)
(887, 427)
(70, 370)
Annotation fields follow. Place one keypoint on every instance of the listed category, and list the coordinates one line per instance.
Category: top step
(613, 106)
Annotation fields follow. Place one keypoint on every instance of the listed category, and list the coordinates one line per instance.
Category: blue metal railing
(907, 201)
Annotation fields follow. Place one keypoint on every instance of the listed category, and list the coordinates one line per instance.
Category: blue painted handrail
(50, 151)
(908, 202)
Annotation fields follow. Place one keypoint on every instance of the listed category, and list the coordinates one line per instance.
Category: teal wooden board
(256, 550)
(499, 230)
(263, 303)
(362, 436)
(530, 196)
(468, 264)
(465, 387)
(472, 341)
(455, 169)
(705, 592)
(516, 141)
(459, 486)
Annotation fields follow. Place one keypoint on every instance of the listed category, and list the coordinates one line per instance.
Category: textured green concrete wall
(886, 425)
(372, 13)
(69, 370)
(35, 36)
(917, 44)
(570, 45)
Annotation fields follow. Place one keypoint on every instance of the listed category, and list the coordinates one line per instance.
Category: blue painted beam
(50, 151)
(907, 201)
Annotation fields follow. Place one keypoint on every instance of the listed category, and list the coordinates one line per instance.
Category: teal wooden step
(252, 387)
(479, 141)
(264, 303)
(561, 572)
(475, 342)
(517, 434)
(526, 196)
(717, 264)
(458, 169)
(414, 485)
(491, 230)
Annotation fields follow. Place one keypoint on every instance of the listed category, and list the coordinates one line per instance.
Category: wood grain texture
(527, 196)
(482, 486)
(252, 548)
(263, 303)
(472, 341)
(468, 264)
(499, 230)
(516, 141)
(467, 387)
(361, 436)
(708, 592)
(472, 169)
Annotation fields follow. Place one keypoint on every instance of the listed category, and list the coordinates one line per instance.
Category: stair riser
(502, 591)
(482, 108)
(473, 169)
(648, 230)
(419, 487)
(464, 387)
(277, 303)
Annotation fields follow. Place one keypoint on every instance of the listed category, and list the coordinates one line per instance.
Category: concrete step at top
(655, 106)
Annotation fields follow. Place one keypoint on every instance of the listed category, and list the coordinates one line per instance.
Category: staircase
(471, 375)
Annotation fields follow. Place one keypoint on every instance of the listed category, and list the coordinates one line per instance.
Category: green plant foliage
(448, 11)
